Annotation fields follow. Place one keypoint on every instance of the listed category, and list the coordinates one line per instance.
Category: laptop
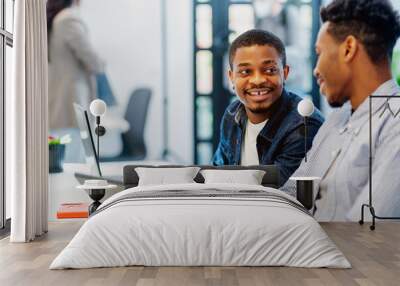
(89, 148)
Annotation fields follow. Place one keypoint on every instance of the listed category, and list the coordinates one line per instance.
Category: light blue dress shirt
(340, 157)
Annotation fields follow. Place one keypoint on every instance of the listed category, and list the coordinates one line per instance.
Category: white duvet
(200, 231)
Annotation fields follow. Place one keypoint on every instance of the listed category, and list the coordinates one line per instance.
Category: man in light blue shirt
(354, 49)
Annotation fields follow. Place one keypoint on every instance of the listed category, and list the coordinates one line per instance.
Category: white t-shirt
(249, 155)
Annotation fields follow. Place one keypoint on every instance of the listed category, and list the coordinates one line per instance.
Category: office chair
(134, 147)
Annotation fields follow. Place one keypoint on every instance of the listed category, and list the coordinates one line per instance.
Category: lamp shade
(305, 107)
(98, 107)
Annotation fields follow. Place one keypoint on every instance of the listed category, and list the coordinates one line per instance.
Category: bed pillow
(248, 177)
(165, 176)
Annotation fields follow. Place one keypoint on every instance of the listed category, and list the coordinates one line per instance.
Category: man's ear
(230, 75)
(349, 48)
(286, 71)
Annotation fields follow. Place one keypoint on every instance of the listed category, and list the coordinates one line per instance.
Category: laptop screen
(82, 119)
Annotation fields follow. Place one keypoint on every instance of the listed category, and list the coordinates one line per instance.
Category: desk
(62, 186)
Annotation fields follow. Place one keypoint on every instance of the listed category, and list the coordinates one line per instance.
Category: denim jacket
(280, 142)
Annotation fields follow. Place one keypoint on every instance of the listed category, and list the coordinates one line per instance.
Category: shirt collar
(389, 87)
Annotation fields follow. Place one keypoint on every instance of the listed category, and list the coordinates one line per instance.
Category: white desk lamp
(305, 109)
(98, 108)
(304, 185)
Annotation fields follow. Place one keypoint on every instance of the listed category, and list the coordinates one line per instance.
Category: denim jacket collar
(281, 107)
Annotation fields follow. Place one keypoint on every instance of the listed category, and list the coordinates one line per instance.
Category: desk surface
(374, 255)
(62, 186)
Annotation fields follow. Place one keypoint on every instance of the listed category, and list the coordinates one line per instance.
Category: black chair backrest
(136, 114)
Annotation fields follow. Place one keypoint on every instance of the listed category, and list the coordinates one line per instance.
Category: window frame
(6, 39)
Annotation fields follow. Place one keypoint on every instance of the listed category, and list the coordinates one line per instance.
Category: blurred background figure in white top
(73, 63)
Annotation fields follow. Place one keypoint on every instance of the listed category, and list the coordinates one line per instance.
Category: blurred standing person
(73, 63)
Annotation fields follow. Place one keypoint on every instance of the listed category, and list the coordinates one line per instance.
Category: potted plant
(57, 152)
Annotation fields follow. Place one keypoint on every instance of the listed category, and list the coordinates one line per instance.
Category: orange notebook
(73, 210)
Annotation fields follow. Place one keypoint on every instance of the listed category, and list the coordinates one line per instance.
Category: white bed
(182, 230)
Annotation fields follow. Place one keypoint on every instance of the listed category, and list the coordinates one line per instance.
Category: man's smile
(258, 94)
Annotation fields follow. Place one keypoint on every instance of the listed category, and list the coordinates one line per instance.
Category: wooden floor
(374, 255)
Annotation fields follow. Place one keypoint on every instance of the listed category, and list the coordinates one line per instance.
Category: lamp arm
(305, 138)
(98, 141)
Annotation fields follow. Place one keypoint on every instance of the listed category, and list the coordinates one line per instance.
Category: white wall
(127, 35)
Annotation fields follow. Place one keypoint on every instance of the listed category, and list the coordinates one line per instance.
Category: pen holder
(304, 193)
(304, 190)
(56, 158)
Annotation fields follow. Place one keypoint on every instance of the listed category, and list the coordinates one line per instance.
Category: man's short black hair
(260, 38)
(373, 22)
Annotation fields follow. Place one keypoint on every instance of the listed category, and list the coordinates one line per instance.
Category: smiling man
(354, 48)
(263, 125)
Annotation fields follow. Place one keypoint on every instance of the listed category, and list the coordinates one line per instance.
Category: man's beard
(262, 108)
(256, 110)
(259, 110)
(337, 103)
